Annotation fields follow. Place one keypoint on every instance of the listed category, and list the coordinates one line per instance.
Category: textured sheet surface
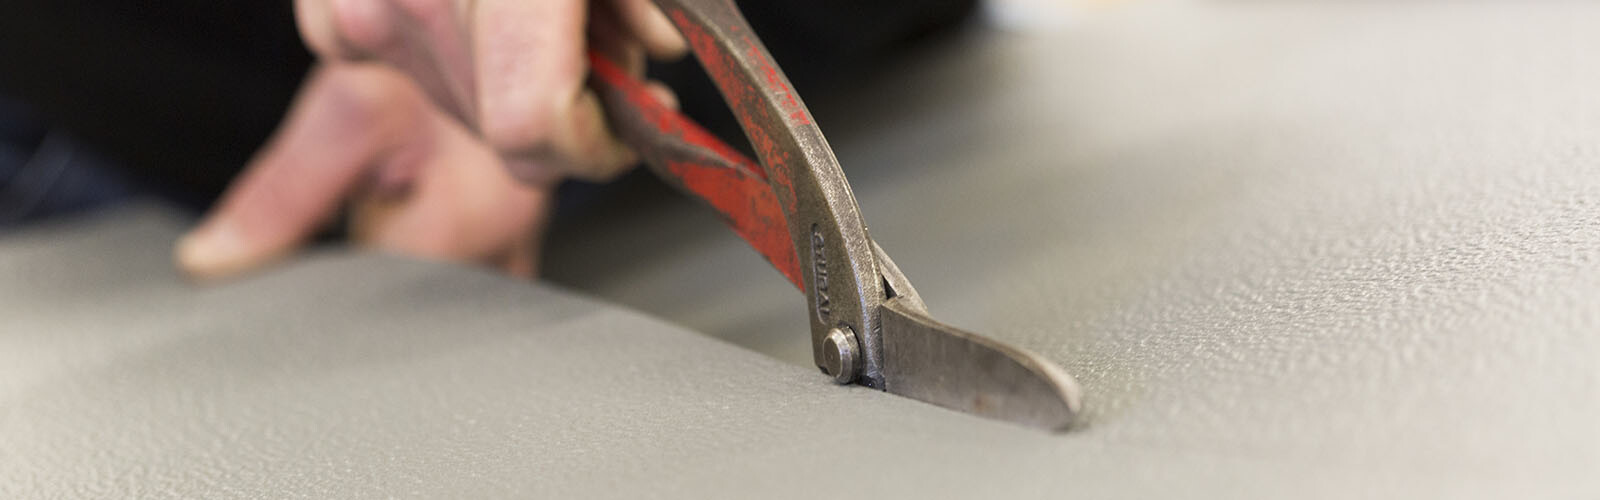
(1289, 251)
(1360, 237)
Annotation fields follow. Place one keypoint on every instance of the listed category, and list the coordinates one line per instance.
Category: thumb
(345, 118)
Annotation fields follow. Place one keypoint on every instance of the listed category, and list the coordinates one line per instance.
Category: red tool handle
(798, 191)
(694, 161)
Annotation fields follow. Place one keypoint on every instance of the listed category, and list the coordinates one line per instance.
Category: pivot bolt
(840, 356)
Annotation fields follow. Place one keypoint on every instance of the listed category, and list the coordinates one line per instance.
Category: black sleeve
(179, 91)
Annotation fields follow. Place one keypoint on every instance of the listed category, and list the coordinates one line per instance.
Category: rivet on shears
(839, 354)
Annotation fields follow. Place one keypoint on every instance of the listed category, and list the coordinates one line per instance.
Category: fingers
(314, 20)
(513, 71)
(344, 118)
(536, 109)
(420, 184)
(462, 206)
(662, 93)
(610, 37)
(651, 28)
(425, 39)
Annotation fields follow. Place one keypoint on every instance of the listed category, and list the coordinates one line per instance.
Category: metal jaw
(930, 361)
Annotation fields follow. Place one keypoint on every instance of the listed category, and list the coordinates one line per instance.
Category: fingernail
(210, 250)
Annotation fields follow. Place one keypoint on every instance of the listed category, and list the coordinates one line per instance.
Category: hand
(396, 137)
(513, 71)
(416, 181)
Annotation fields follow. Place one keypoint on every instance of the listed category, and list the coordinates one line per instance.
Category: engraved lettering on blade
(819, 275)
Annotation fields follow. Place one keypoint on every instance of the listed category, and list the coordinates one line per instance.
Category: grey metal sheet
(1361, 237)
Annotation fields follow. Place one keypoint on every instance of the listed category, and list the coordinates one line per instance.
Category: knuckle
(524, 129)
(363, 98)
(427, 9)
(314, 21)
(362, 25)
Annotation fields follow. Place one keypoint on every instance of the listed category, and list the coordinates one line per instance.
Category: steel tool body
(868, 325)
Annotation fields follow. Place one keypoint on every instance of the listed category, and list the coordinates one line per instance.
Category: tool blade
(940, 364)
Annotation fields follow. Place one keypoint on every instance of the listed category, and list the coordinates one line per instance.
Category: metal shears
(868, 325)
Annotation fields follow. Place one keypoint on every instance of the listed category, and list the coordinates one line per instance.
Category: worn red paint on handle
(744, 99)
(693, 159)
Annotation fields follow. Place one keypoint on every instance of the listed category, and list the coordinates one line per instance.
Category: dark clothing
(180, 93)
